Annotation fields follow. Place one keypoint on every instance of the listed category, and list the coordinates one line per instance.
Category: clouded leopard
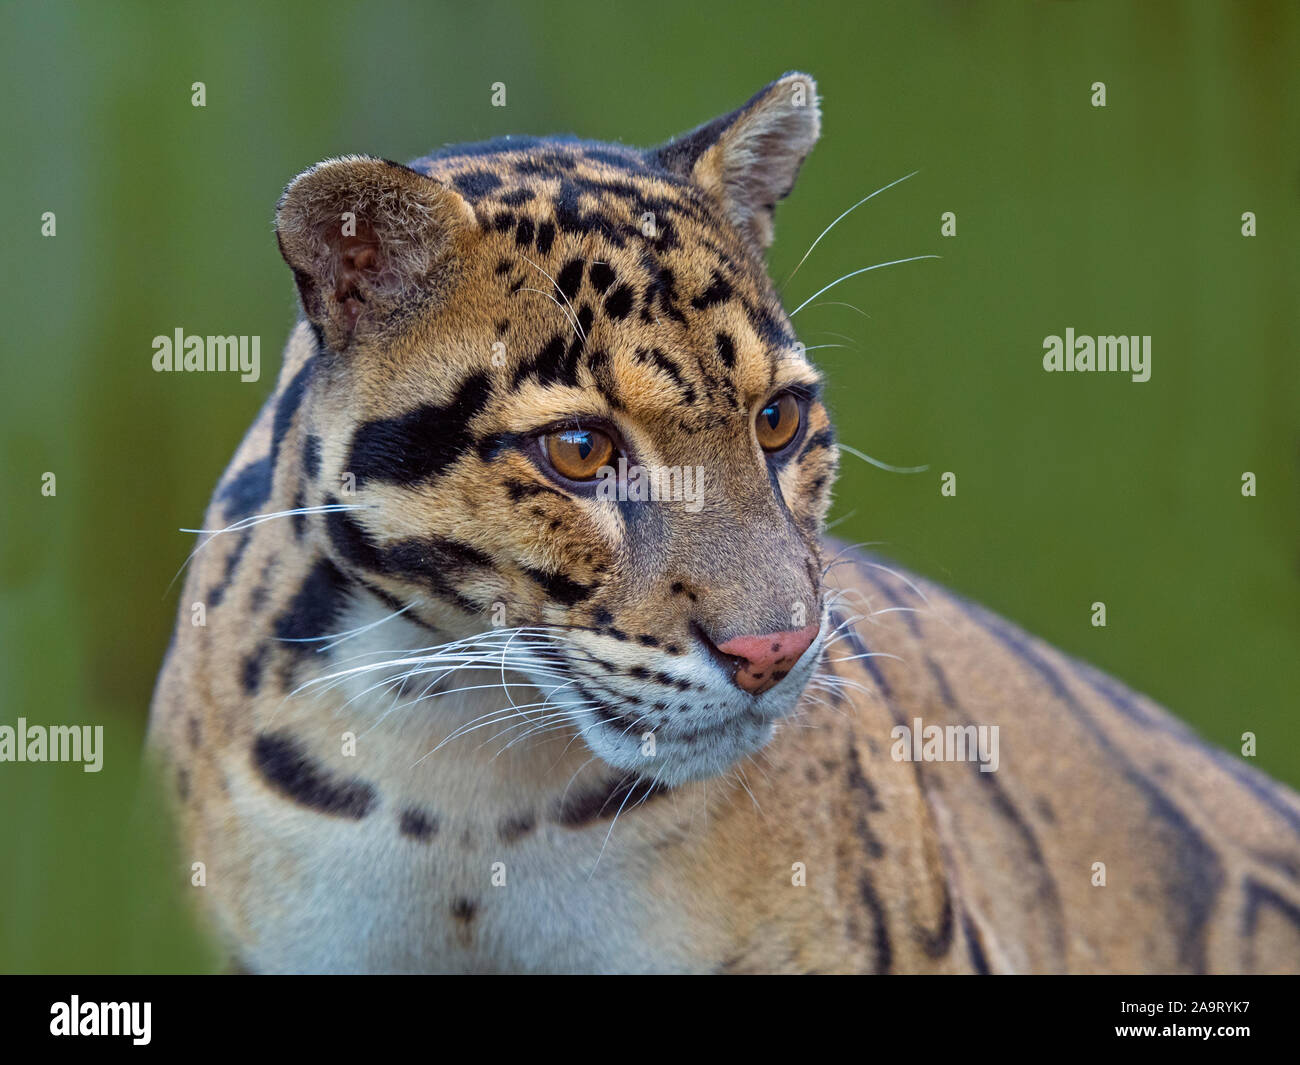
(465, 701)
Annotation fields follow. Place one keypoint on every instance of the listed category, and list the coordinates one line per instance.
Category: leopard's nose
(764, 660)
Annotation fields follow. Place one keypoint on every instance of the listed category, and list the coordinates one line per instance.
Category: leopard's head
(570, 412)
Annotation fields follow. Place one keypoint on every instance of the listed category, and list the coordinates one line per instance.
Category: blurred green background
(1071, 488)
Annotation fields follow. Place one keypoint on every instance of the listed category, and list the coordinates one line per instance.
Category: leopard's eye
(777, 422)
(578, 454)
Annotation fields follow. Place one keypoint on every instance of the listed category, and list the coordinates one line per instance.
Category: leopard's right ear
(370, 244)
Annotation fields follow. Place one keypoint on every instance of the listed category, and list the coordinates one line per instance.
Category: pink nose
(766, 659)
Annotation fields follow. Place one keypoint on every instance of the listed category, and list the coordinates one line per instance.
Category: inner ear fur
(369, 242)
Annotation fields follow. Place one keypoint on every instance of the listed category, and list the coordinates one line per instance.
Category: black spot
(257, 599)
(250, 674)
(661, 290)
(618, 304)
(524, 232)
(726, 350)
(569, 279)
(503, 221)
(601, 276)
(512, 829)
(464, 909)
(287, 768)
(183, 783)
(602, 617)
(299, 520)
(247, 490)
(251, 487)
(556, 363)
(218, 592)
(476, 184)
(418, 446)
(717, 292)
(516, 197)
(311, 455)
(416, 824)
(545, 237)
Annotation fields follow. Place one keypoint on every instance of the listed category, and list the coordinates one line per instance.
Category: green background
(1071, 488)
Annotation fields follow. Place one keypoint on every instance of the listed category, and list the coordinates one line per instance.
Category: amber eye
(578, 454)
(777, 422)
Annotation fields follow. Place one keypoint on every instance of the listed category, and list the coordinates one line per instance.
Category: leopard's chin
(678, 755)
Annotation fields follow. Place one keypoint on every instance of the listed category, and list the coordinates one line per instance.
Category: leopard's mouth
(677, 718)
(675, 755)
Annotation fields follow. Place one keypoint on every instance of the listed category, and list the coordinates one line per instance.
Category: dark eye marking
(415, 447)
(818, 441)
(518, 490)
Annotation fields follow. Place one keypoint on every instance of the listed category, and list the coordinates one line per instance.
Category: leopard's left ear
(748, 160)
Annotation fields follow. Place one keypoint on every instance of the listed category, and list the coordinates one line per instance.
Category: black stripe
(314, 608)
(415, 447)
(626, 792)
(559, 587)
(975, 947)
(286, 767)
(1193, 884)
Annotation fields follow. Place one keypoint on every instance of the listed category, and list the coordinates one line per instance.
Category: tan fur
(790, 838)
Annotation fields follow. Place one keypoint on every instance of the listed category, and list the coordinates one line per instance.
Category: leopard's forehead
(608, 268)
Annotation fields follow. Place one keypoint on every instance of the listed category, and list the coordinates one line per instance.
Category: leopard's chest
(463, 852)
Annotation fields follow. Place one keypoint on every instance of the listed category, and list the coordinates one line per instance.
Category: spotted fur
(362, 802)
